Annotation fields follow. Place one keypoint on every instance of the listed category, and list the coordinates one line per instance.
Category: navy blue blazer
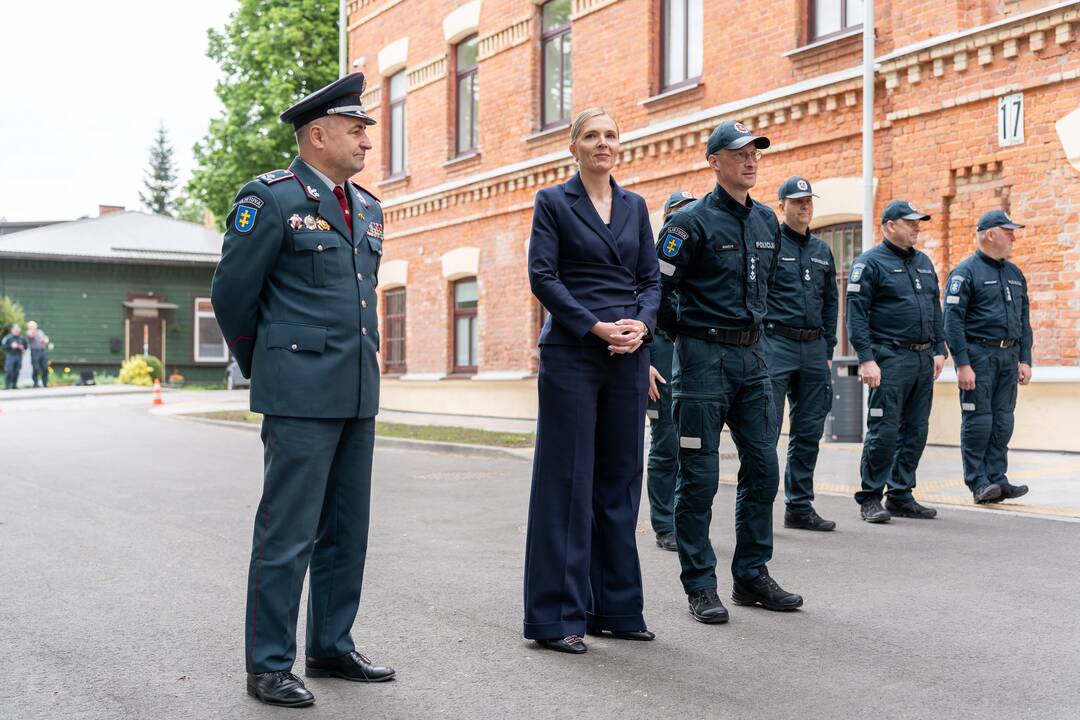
(584, 272)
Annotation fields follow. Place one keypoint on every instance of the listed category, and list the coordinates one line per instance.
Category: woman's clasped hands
(622, 336)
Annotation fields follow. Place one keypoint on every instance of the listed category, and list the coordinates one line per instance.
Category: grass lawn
(436, 433)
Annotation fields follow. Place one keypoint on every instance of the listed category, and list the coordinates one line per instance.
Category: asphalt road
(124, 543)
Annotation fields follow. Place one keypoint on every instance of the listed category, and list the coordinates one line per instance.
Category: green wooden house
(117, 285)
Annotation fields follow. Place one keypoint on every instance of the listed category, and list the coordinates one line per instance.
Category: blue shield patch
(856, 272)
(672, 245)
(954, 286)
(244, 219)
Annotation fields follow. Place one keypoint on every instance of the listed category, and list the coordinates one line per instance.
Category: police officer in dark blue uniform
(800, 334)
(294, 295)
(14, 345)
(894, 322)
(719, 256)
(988, 327)
(664, 441)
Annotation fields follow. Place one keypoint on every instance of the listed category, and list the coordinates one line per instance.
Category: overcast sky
(83, 87)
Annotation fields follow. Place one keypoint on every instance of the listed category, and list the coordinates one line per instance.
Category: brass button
(363, 303)
(318, 248)
(294, 346)
(363, 331)
(356, 251)
(359, 276)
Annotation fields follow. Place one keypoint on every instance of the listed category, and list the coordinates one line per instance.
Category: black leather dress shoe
(573, 644)
(909, 509)
(1009, 492)
(872, 512)
(351, 666)
(666, 541)
(279, 688)
(988, 493)
(764, 591)
(706, 607)
(812, 521)
(623, 634)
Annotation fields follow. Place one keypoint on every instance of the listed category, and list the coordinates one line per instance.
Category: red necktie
(340, 194)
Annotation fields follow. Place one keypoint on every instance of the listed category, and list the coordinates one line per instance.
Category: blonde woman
(593, 266)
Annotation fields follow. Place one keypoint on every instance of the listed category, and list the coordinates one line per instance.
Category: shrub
(136, 371)
(157, 372)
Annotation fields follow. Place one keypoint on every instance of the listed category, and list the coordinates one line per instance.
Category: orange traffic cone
(157, 393)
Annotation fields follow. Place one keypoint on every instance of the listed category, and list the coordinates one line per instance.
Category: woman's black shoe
(623, 634)
(573, 644)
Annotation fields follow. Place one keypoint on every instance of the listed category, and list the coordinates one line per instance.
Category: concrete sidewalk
(1054, 478)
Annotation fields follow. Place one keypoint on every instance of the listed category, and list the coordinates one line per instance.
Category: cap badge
(296, 222)
(801, 184)
(741, 128)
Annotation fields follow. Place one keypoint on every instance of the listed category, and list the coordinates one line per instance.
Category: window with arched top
(845, 240)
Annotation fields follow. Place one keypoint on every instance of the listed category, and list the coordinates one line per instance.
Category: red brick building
(976, 108)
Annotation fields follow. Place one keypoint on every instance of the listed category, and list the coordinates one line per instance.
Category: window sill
(467, 160)
(393, 182)
(675, 94)
(824, 42)
(548, 133)
(211, 361)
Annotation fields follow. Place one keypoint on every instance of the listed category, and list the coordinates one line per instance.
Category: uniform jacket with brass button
(294, 295)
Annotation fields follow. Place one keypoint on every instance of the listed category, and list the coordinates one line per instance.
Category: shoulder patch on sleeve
(677, 231)
(856, 272)
(275, 176)
(244, 216)
(955, 283)
(672, 241)
(251, 200)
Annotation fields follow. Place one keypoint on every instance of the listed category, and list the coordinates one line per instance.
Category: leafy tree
(11, 313)
(190, 209)
(160, 181)
(271, 53)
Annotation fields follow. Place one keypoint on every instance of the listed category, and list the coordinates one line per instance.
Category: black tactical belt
(916, 347)
(793, 333)
(1007, 343)
(726, 337)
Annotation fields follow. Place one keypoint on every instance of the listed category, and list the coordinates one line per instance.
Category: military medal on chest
(309, 222)
(296, 222)
(322, 224)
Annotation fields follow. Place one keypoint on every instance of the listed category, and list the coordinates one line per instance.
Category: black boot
(706, 607)
(666, 541)
(872, 512)
(764, 591)
(811, 521)
(988, 493)
(909, 509)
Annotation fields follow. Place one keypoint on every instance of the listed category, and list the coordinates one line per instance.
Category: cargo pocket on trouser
(697, 425)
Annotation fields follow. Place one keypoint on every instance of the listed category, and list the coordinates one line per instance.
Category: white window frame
(198, 315)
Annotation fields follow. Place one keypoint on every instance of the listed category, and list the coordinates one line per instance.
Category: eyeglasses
(742, 157)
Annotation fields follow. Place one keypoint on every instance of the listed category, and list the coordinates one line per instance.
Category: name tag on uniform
(924, 271)
(989, 282)
(897, 270)
(853, 287)
(1015, 282)
(788, 259)
(729, 246)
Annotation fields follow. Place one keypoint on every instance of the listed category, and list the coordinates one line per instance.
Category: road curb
(391, 443)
